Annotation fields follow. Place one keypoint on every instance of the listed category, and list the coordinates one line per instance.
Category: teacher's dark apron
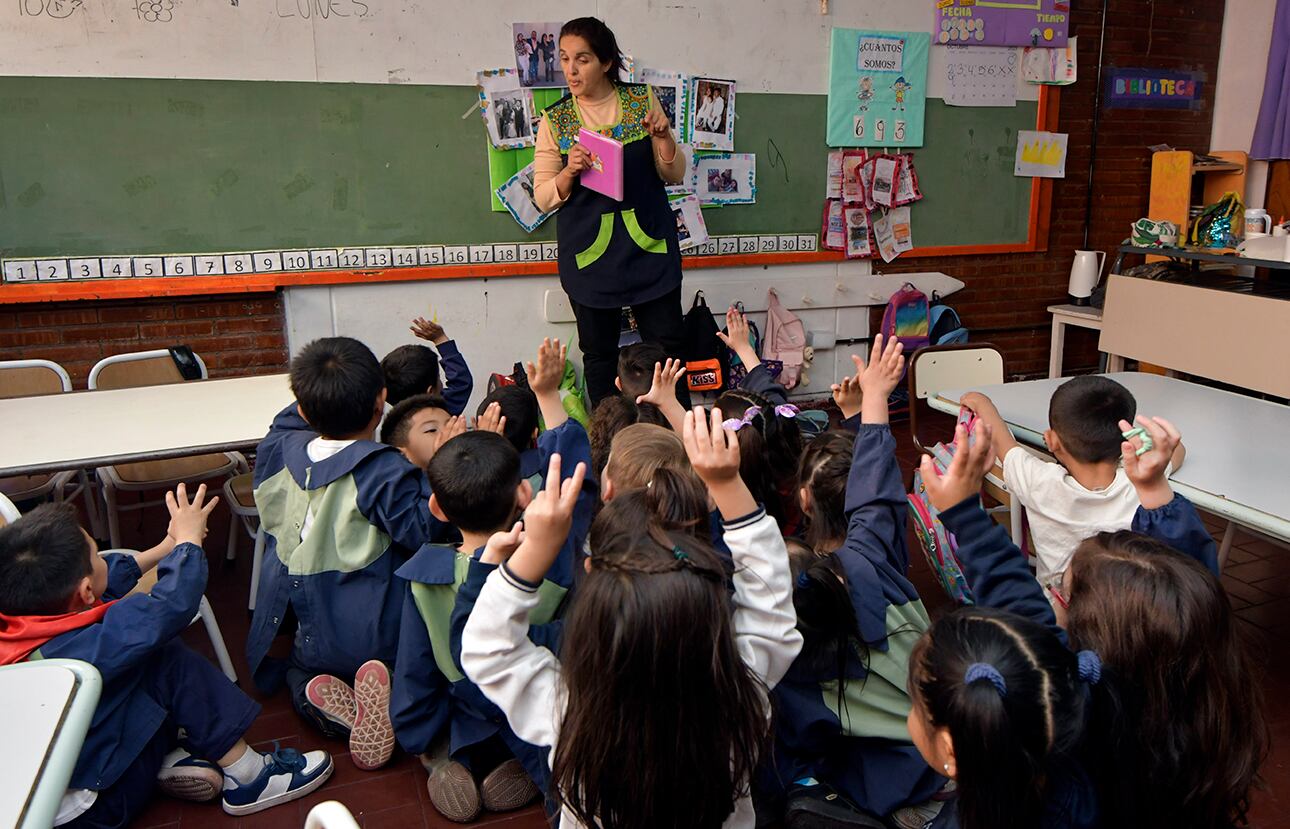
(615, 253)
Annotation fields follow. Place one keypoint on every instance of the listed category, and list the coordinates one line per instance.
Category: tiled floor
(1257, 579)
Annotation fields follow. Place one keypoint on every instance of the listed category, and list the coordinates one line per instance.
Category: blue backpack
(943, 324)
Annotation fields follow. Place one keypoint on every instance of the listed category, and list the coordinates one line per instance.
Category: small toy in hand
(1147, 443)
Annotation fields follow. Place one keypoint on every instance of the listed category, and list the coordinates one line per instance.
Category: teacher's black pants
(658, 320)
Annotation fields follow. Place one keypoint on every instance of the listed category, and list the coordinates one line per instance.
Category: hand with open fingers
(662, 390)
(545, 375)
(966, 472)
(456, 425)
(492, 420)
(886, 366)
(547, 520)
(427, 330)
(1147, 471)
(736, 333)
(502, 545)
(848, 396)
(713, 449)
(188, 518)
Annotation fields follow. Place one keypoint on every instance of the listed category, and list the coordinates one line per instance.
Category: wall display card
(628, 73)
(981, 76)
(686, 186)
(886, 169)
(517, 195)
(1001, 22)
(907, 189)
(877, 88)
(1041, 154)
(537, 53)
(712, 114)
(853, 189)
(833, 179)
(726, 178)
(1057, 67)
(866, 181)
(507, 108)
(691, 228)
(859, 243)
(880, 221)
(833, 231)
(902, 231)
(673, 92)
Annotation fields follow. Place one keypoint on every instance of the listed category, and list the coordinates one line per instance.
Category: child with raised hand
(843, 751)
(419, 369)
(1177, 673)
(695, 729)
(59, 599)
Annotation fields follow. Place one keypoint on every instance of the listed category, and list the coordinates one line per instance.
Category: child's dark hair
(614, 414)
(601, 40)
(825, 615)
(394, 431)
(649, 642)
(43, 556)
(410, 369)
(1179, 735)
(1009, 692)
(636, 367)
(520, 408)
(769, 450)
(1086, 411)
(474, 477)
(823, 472)
(336, 381)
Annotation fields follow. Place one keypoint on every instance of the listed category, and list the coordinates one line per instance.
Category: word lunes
(321, 9)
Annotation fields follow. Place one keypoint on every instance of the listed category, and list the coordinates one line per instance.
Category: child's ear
(523, 494)
(945, 751)
(436, 510)
(586, 564)
(1053, 442)
(84, 596)
(618, 383)
(606, 486)
(804, 499)
(380, 401)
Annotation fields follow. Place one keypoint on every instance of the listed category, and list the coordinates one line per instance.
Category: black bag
(705, 354)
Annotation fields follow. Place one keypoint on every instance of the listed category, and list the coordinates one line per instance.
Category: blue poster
(877, 88)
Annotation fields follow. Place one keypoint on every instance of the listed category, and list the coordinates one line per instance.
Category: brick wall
(1003, 302)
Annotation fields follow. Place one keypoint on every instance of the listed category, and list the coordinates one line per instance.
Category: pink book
(606, 173)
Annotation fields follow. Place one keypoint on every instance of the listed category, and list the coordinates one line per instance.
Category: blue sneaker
(287, 775)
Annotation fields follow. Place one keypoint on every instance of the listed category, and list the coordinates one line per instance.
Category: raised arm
(988, 413)
(662, 392)
(544, 377)
(457, 382)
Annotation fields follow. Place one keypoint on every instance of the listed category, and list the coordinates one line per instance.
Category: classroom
(798, 414)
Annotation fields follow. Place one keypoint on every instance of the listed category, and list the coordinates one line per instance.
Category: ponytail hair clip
(751, 413)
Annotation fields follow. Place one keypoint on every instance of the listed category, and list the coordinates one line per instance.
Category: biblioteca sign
(1152, 89)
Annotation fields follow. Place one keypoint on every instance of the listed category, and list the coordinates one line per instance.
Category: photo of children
(537, 54)
(511, 115)
(722, 181)
(691, 229)
(712, 106)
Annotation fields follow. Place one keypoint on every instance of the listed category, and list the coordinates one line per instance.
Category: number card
(296, 260)
(179, 266)
(117, 268)
(457, 255)
(768, 244)
(708, 248)
(481, 254)
(506, 253)
(806, 242)
(148, 266)
(85, 268)
(320, 259)
(432, 255)
(351, 258)
(530, 253)
(210, 265)
(727, 245)
(549, 251)
(747, 244)
(788, 243)
(378, 257)
(235, 263)
(269, 261)
(404, 257)
(20, 271)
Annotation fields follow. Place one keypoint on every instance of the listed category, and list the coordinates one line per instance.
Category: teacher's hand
(579, 160)
(657, 124)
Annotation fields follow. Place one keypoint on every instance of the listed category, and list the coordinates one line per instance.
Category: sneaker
(287, 775)
(508, 787)
(333, 699)
(818, 806)
(453, 792)
(917, 817)
(371, 740)
(189, 778)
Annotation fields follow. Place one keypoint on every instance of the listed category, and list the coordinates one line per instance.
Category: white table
(84, 429)
(1081, 316)
(45, 711)
(1238, 449)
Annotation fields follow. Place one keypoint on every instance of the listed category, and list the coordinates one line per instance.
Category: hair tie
(803, 579)
(679, 554)
(787, 410)
(737, 423)
(982, 670)
(1090, 667)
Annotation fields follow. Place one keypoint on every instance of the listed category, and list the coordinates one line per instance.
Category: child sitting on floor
(415, 369)
(59, 599)
(1086, 491)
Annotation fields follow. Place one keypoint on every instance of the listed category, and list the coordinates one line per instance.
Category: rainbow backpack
(908, 319)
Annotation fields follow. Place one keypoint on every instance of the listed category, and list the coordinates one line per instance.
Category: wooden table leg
(1056, 347)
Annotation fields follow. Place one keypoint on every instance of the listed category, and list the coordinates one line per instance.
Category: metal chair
(239, 494)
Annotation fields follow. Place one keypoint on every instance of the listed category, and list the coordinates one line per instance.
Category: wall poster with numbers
(877, 88)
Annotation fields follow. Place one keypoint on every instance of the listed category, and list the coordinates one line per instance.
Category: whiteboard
(766, 45)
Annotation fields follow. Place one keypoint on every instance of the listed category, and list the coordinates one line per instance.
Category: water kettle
(1086, 272)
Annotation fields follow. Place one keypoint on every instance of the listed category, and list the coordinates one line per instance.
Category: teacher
(611, 254)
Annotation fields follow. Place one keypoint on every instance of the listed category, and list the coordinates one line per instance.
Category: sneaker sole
(285, 797)
(508, 791)
(371, 740)
(195, 787)
(333, 699)
(455, 806)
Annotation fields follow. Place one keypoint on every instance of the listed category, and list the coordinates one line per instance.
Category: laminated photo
(673, 92)
(507, 108)
(902, 232)
(691, 228)
(712, 114)
(726, 178)
(859, 245)
(833, 180)
(907, 190)
(833, 231)
(537, 54)
(516, 195)
(885, 172)
(853, 190)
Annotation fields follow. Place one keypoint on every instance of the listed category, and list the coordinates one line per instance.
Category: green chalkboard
(94, 166)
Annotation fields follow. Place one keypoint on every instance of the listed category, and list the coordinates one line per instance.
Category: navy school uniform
(458, 384)
(859, 742)
(153, 685)
(370, 511)
(429, 689)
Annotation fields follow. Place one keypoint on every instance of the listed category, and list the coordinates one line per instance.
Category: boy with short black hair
(415, 369)
(479, 487)
(341, 512)
(1086, 491)
(414, 426)
(53, 587)
(636, 368)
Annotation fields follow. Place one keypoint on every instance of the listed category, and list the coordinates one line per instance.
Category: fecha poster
(1002, 22)
(877, 88)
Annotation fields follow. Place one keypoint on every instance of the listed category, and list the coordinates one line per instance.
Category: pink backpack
(785, 340)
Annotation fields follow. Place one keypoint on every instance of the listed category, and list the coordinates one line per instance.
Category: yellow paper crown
(1048, 153)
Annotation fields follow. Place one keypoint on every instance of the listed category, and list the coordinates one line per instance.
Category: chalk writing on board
(57, 9)
(155, 11)
(320, 9)
(776, 157)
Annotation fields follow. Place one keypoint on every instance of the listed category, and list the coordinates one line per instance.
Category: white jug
(1257, 222)
(1086, 272)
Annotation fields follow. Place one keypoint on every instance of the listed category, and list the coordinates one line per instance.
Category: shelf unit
(1172, 180)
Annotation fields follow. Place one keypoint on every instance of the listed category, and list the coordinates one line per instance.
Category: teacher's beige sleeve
(547, 164)
(674, 169)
